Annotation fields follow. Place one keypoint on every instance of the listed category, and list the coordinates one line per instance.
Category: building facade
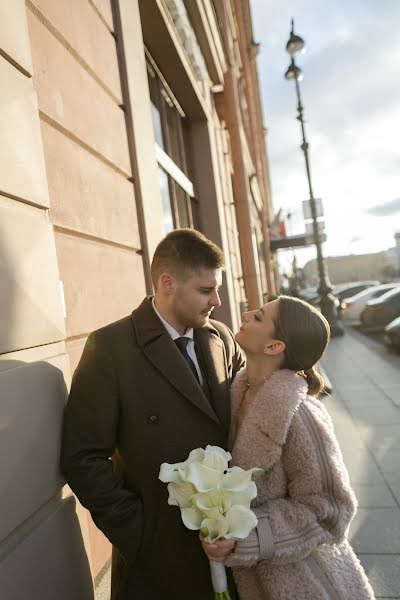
(381, 266)
(120, 121)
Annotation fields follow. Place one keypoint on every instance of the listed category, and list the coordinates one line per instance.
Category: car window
(391, 294)
(378, 293)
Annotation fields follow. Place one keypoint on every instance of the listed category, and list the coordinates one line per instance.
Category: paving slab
(389, 466)
(366, 397)
(363, 470)
(376, 530)
(376, 415)
(374, 496)
(381, 436)
(395, 488)
(383, 574)
(393, 392)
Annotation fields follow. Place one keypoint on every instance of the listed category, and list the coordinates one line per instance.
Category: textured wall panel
(105, 10)
(48, 562)
(33, 397)
(69, 95)
(102, 283)
(22, 171)
(87, 195)
(30, 307)
(14, 39)
(88, 36)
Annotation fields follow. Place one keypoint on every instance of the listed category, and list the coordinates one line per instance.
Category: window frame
(176, 174)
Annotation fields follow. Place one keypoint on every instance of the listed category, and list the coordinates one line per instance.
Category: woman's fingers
(218, 550)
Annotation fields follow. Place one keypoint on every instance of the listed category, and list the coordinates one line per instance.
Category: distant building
(382, 266)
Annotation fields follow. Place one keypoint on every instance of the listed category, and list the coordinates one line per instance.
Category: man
(143, 399)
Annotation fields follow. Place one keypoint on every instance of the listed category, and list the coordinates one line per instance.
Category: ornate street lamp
(327, 301)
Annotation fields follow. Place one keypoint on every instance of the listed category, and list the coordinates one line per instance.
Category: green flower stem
(222, 595)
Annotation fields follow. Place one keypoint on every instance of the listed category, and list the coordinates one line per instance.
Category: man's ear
(166, 283)
(274, 348)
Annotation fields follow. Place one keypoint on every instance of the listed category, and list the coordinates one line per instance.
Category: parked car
(353, 306)
(392, 334)
(345, 290)
(314, 299)
(380, 312)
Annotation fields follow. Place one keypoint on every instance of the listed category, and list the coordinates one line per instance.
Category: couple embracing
(167, 379)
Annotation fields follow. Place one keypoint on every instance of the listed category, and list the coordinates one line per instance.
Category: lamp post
(327, 302)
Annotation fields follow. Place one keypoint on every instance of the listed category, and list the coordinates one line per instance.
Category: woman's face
(258, 329)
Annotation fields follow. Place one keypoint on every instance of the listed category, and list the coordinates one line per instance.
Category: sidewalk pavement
(365, 408)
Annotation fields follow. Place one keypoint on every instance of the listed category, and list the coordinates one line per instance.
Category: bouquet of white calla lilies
(212, 498)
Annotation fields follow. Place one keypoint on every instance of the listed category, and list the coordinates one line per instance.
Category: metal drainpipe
(241, 184)
(255, 115)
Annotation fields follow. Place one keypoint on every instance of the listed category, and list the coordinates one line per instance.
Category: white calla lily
(216, 458)
(214, 529)
(209, 503)
(245, 497)
(242, 498)
(180, 494)
(226, 455)
(236, 479)
(192, 518)
(170, 472)
(203, 477)
(240, 522)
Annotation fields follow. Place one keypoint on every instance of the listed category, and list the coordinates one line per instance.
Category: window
(169, 123)
(166, 200)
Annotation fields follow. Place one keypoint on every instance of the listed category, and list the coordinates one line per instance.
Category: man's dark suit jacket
(133, 398)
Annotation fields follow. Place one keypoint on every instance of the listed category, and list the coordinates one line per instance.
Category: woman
(305, 504)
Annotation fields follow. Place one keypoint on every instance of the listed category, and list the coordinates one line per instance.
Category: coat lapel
(268, 419)
(158, 347)
(214, 356)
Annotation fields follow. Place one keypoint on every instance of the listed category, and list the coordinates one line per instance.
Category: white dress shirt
(174, 335)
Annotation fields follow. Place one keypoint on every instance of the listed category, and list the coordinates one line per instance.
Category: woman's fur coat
(304, 504)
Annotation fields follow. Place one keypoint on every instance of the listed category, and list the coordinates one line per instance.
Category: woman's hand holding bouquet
(214, 499)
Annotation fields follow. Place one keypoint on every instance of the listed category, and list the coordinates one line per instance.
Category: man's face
(195, 298)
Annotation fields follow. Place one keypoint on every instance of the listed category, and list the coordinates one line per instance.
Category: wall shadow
(42, 553)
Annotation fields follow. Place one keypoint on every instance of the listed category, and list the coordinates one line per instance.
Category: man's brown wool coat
(133, 398)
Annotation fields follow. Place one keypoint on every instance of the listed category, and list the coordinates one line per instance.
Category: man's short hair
(184, 252)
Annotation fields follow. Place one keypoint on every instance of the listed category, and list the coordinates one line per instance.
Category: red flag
(277, 228)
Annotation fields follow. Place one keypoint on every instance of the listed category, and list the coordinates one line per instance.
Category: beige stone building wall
(34, 365)
(81, 211)
(89, 172)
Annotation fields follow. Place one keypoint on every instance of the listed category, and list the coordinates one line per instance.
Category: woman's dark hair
(306, 333)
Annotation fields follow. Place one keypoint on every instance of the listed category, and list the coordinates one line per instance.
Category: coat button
(153, 419)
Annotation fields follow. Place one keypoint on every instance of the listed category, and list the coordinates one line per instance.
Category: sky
(351, 98)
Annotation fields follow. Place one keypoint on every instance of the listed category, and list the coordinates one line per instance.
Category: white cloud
(351, 95)
(387, 209)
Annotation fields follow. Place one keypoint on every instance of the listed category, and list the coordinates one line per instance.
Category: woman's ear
(274, 348)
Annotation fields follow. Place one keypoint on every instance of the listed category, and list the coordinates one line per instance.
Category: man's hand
(219, 550)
